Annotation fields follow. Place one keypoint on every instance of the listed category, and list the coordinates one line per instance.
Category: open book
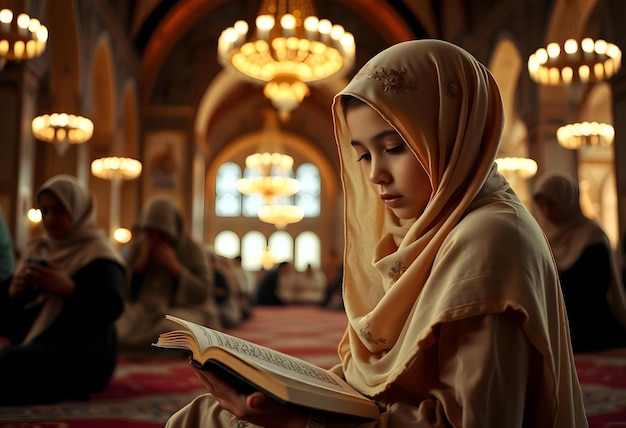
(250, 367)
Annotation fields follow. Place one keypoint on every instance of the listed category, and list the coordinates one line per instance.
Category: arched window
(227, 244)
(227, 197)
(252, 249)
(281, 244)
(308, 198)
(253, 245)
(308, 251)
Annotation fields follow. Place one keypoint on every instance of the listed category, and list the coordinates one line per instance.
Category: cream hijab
(84, 242)
(569, 238)
(447, 107)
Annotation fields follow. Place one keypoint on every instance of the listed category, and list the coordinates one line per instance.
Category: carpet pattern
(143, 394)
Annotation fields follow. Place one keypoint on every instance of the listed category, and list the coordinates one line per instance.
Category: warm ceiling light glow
(577, 135)
(122, 235)
(34, 215)
(281, 215)
(289, 48)
(21, 37)
(62, 129)
(523, 167)
(270, 176)
(586, 62)
(110, 168)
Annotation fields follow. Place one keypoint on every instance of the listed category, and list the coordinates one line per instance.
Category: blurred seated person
(590, 279)
(232, 304)
(310, 286)
(276, 287)
(60, 306)
(168, 274)
(7, 254)
(247, 279)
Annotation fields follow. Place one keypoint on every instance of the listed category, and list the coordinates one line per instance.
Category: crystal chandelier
(583, 134)
(523, 167)
(281, 215)
(62, 129)
(21, 37)
(270, 176)
(288, 48)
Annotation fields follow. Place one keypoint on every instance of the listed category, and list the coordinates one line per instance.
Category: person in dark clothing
(274, 288)
(58, 308)
(590, 279)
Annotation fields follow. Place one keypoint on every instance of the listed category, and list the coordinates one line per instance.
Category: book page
(269, 359)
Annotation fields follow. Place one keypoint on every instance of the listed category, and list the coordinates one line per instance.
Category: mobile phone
(36, 260)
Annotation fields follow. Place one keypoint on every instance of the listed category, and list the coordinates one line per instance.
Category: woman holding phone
(59, 307)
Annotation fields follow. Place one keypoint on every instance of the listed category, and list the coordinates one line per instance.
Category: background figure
(589, 274)
(61, 304)
(168, 274)
(247, 280)
(232, 303)
(7, 254)
(276, 287)
(310, 286)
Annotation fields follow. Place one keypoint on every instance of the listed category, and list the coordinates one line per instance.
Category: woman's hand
(167, 257)
(20, 281)
(256, 408)
(51, 278)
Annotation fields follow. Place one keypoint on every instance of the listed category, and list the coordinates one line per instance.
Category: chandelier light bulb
(524, 167)
(575, 136)
(110, 168)
(21, 37)
(62, 129)
(588, 62)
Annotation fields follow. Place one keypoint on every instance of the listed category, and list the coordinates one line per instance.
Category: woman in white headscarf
(60, 306)
(455, 313)
(169, 273)
(589, 274)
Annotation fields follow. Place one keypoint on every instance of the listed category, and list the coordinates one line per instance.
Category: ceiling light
(62, 129)
(287, 48)
(583, 134)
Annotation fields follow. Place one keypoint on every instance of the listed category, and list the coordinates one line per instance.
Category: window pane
(251, 205)
(227, 197)
(227, 205)
(227, 244)
(308, 198)
(252, 248)
(308, 250)
(281, 244)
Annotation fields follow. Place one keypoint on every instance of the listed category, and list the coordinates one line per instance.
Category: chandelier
(523, 167)
(21, 37)
(289, 48)
(281, 215)
(588, 62)
(270, 176)
(62, 129)
(110, 168)
(116, 170)
(584, 134)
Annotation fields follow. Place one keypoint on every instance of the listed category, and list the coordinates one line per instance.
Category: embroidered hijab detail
(452, 89)
(396, 271)
(392, 80)
(366, 334)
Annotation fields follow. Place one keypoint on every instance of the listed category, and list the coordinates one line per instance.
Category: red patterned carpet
(143, 394)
